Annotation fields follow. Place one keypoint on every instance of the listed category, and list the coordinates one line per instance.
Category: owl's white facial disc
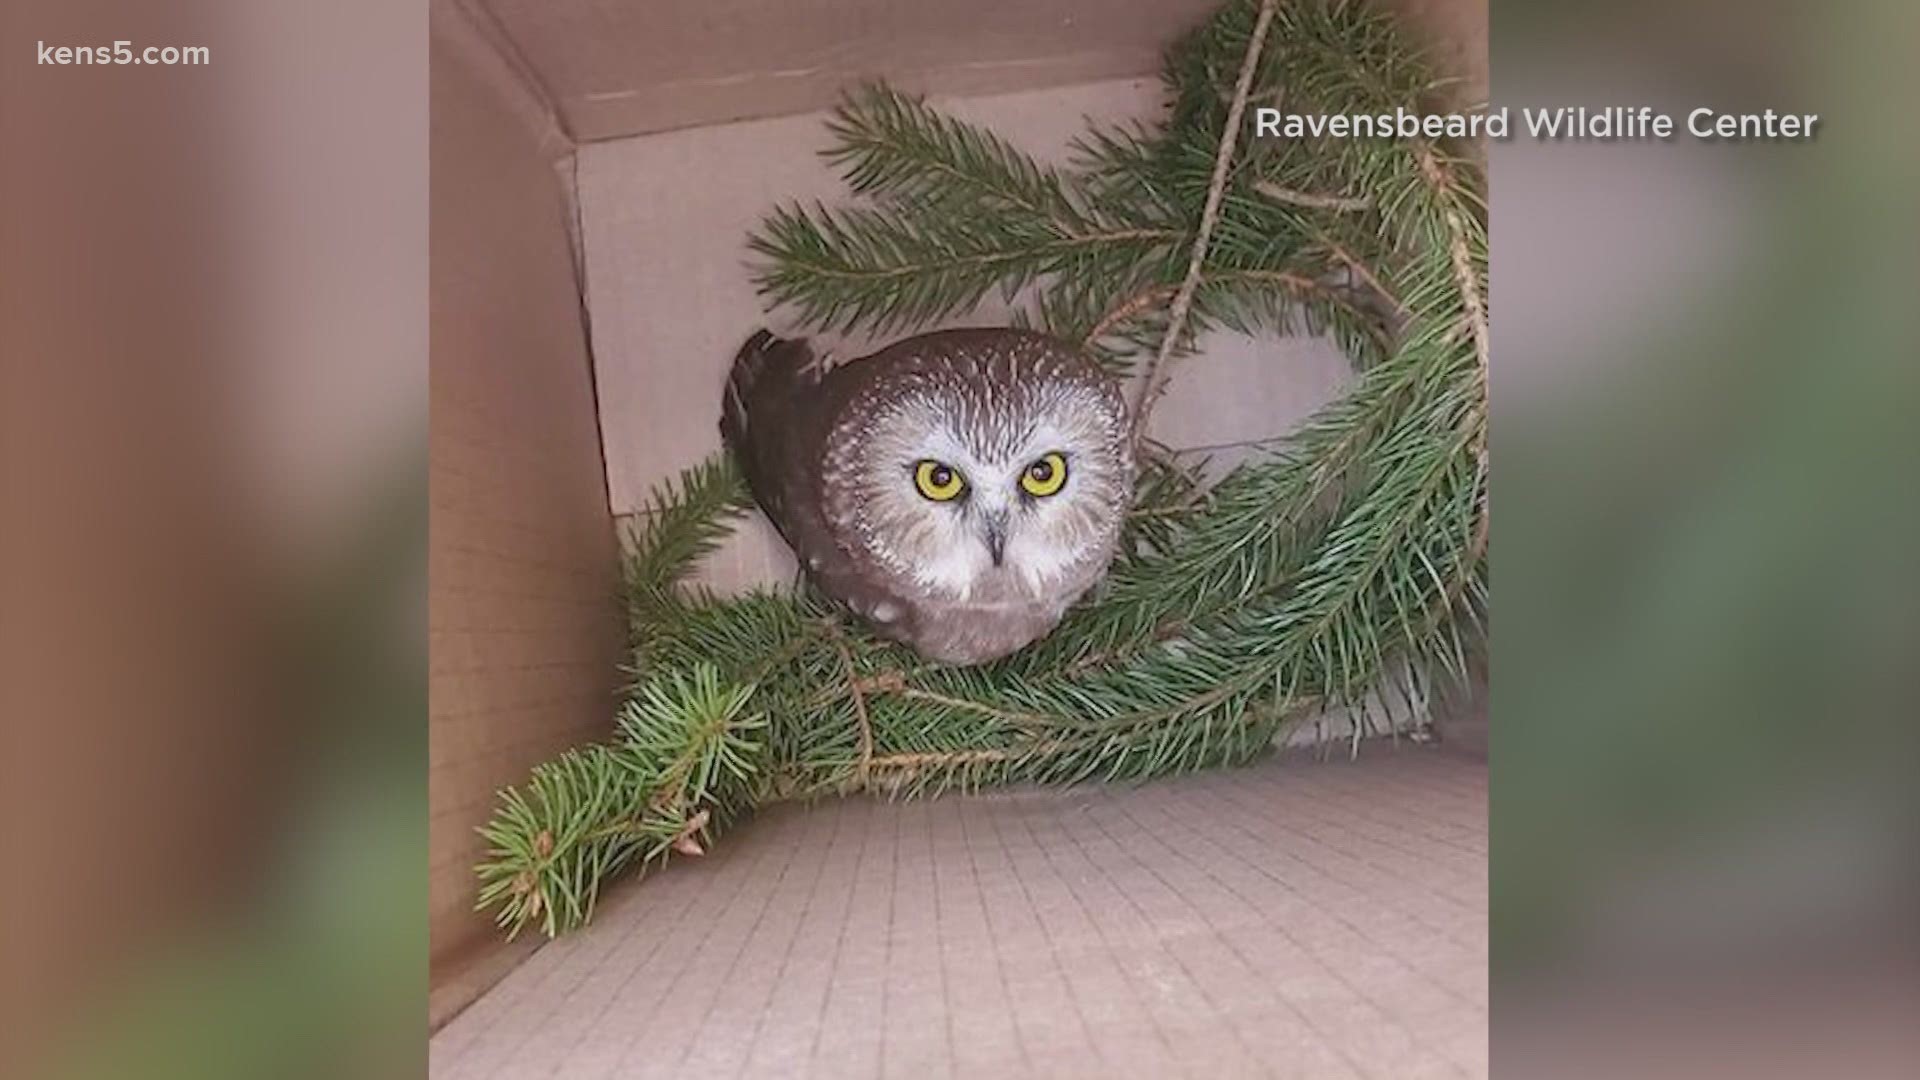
(997, 540)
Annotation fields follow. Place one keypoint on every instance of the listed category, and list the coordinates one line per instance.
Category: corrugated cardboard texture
(524, 629)
(668, 279)
(621, 69)
(1299, 919)
(625, 69)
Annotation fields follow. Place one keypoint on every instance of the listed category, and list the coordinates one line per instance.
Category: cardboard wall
(627, 69)
(624, 69)
(525, 633)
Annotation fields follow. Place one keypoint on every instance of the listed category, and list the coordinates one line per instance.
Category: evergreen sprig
(892, 147)
(684, 520)
(1344, 566)
(911, 264)
(685, 764)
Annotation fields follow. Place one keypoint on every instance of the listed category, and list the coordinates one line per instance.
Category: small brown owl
(958, 489)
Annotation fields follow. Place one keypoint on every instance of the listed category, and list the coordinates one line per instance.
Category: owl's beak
(996, 523)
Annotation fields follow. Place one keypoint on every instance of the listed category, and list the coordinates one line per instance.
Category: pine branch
(912, 265)
(684, 765)
(892, 145)
(684, 520)
(1466, 246)
(1309, 200)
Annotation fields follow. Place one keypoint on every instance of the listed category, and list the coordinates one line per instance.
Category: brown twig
(1286, 279)
(1298, 283)
(859, 711)
(1161, 633)
(1163, 511)
(944, 757)
(1309, 200)
(829, 270)
(1196, 494)
(895, 683)
(1359, 269)
(1127, 309)
(882, 682)
(1138, 302)
(1155, 383)
(916, 694)
(1468, 283)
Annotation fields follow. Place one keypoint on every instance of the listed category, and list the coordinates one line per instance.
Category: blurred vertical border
(1706, 394)
(212, 437)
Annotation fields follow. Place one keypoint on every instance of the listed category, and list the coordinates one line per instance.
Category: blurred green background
(212, 590)
(1706, 826)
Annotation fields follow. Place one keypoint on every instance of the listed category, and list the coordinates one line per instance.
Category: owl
(957, 489)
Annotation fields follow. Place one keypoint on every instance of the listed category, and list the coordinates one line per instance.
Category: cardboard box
(595, 169)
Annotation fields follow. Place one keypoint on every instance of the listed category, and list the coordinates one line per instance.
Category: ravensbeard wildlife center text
(1600, 123)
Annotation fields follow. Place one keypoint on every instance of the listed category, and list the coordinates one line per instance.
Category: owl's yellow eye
(938, 482)
(1045, 476)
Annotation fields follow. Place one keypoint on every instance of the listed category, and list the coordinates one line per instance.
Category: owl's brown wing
(774, 417)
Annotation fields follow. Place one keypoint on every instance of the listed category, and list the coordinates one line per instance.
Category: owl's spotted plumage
(958, 489)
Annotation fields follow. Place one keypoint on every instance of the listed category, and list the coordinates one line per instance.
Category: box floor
(1293, 918)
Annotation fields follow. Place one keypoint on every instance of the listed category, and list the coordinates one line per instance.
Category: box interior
(596, 169)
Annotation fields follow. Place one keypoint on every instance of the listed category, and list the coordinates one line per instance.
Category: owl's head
(997, 472)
